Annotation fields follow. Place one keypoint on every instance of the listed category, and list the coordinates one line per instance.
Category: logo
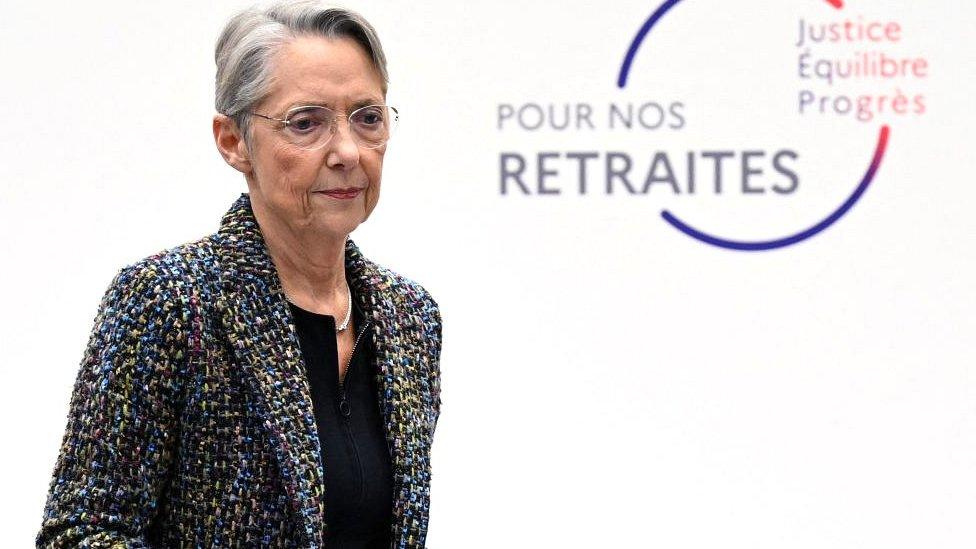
(850, 71)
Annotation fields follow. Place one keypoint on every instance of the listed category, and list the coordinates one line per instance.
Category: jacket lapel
(372, 291)
(260, 329)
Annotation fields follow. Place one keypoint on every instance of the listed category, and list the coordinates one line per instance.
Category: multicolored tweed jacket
(191, 422)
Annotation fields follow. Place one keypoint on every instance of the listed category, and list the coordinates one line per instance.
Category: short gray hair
(251, 39)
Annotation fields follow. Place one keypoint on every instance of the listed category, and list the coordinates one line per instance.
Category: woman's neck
(311, 267)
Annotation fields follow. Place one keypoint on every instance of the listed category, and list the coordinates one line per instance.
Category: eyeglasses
(311, 127)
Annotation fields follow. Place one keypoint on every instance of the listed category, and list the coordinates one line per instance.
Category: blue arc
(802, 235)
(635, 44)
(646, 27)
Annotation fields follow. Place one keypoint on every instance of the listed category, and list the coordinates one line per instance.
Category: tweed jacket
(191, 424)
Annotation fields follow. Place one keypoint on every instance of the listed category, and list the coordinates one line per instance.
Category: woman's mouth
(342, 194)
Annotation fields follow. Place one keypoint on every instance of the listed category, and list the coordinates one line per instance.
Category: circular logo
(757, 245)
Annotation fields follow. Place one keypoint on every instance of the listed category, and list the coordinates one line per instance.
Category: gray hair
(251, 39)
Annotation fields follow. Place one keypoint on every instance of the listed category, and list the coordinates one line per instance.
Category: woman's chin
(337, 224)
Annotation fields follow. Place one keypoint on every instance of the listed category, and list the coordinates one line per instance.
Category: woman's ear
(231, 144)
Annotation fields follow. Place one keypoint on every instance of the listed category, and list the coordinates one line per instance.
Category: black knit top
(356, 459)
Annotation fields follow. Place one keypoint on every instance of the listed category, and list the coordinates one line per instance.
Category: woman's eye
(302, 123)
(305, 122)
(370, 118)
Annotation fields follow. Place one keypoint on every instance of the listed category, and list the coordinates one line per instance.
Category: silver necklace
(345, 322)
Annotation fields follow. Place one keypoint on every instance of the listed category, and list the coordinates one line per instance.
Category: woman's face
(289, 182)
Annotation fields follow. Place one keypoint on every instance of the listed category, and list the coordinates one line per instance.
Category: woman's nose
(343, 148)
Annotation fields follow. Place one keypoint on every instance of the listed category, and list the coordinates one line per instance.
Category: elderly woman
(266, 385)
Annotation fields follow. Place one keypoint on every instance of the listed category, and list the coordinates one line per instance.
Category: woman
(266, 385)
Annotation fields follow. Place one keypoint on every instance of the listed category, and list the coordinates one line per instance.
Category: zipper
(345, 412)
(343, 404)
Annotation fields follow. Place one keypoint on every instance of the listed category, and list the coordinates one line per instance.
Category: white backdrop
(608, 381)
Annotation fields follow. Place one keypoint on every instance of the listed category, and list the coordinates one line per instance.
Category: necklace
(345, 322)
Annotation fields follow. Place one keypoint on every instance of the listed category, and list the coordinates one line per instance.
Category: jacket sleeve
(121, 431)
(435, 370)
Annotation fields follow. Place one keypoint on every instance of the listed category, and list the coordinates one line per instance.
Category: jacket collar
(261, 331)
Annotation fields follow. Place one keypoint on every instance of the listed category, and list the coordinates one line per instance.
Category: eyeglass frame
(335, 122)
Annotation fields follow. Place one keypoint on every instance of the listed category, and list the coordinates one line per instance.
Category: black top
(356, 457)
